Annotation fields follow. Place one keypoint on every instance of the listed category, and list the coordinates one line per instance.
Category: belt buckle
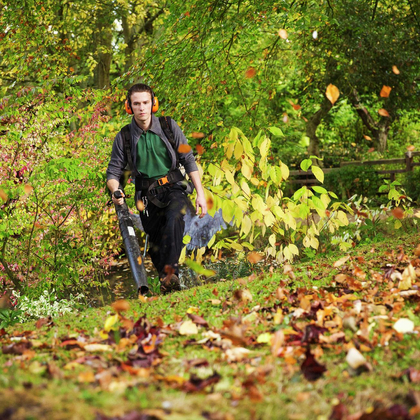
(163, 181)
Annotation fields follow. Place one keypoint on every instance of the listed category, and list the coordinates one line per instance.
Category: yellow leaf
(110, 322)
(284, 170)
(188, 328)
(246, 169)
(332, 93)
(318, 173)
(341, 261)
(238, 150)
(193, 310)
(264, 338)
(246, 225)
(245, 188)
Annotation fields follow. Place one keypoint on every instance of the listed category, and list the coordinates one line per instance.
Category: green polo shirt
(153, 160)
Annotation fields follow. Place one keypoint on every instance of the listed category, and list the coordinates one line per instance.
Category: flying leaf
(395, 70)
(332, 93)
(285, 118)
(372, 149)
(385, 91)
(411, 148)
(250, 73)
(368, 138)
(184, 148)
(3, 195)
(198, 268)
(398, 213)
(110, 322)
(383, 112)
(254, 257)
(121, 305)
(27, 188)
(283, 34)
(200, 149)
(196, 135)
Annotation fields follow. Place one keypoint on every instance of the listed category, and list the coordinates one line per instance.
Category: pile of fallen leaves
(364, 308)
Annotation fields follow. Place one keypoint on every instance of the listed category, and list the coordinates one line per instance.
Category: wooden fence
(407, 162)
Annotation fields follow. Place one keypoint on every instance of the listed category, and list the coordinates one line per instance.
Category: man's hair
(139, 87)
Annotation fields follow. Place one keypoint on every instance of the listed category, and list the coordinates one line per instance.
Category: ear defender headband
(155, 104)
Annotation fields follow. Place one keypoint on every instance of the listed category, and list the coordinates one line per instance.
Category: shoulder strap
(165, 123)
(125, 132)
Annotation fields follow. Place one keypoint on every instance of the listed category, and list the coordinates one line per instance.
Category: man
(161, 195)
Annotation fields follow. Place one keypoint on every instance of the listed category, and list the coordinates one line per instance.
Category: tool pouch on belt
(150, 187)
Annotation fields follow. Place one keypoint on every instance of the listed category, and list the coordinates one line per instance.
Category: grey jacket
(118, 160)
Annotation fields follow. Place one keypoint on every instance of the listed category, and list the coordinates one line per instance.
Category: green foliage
(247, 186)
(352, 180)
(412, 185)
(9, 317)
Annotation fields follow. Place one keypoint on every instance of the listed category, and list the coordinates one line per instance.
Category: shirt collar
(155, 127)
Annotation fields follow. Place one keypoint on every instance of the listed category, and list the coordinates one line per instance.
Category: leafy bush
(412, 185)
(355, 180)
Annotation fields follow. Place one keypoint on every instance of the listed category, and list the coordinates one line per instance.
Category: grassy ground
(269, 346)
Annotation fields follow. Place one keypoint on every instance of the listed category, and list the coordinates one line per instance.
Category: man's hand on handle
(119, 201)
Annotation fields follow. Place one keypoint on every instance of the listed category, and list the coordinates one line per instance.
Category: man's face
(141, 105)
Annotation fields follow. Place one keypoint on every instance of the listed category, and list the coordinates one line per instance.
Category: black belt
(149, 187)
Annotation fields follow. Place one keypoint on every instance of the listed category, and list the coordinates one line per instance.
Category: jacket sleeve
(187, 160)
(118, 159)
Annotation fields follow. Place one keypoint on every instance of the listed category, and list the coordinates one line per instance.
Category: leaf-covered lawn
(336, 338)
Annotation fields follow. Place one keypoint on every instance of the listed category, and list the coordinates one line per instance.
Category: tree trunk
(379, 130)
(103, 38)
(312, 126)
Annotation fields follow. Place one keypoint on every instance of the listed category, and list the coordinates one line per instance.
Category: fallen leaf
(385, 91)
(236, 354)
(404, 325)
(355, 359)
(341, 261)
(86, 377)
(198, 320)
(310, 368)
(332, 93)
(97, 347)
(188, 328)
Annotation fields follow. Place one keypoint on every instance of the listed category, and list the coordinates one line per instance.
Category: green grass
(44, 383)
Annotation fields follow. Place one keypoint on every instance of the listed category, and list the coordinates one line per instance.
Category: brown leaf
(250, 73)
(121, 305)
(196, 384)
(198, 320)
(367, 138)
(383, 112)
(42, 321)
(372, 149)
(210, 203)
(332, 93)
(27, 188)
(341, 261)
(411, 148)
(184, 148)
(385, 91)
(398, 213)
(310, 368)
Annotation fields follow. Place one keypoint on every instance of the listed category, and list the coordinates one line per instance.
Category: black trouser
(165, 226)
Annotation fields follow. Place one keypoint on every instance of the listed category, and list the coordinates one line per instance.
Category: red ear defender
(155, 105)
(127, 107)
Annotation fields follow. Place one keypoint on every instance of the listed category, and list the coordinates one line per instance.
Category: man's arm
(201, 199)
(113, 185)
